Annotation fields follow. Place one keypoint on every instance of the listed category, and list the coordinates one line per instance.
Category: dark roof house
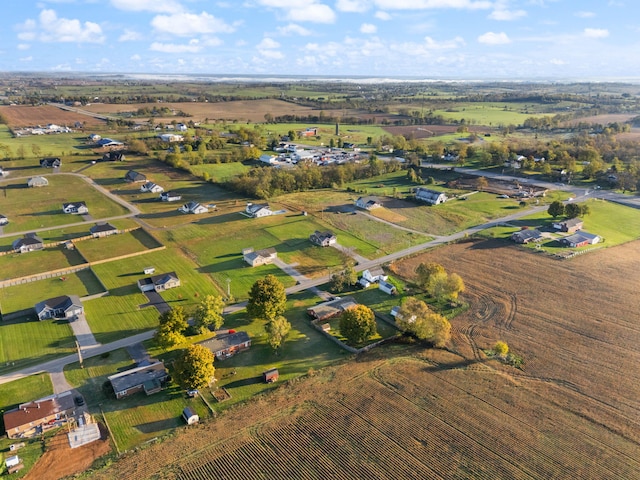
(170, 196)
(432, 197)
(580, 239)
(159, 283)
(226, 345)
(367, 203)
(103, 230)
(132, 177)
(526, 235)
(570, 225)
(333, 308)
(323, 239)
(259, 257)
(76, 208)
(28, 243)
(50, 162)
(148, 378)
(65, 306)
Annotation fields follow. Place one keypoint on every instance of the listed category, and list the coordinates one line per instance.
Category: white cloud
(130, 36)
(192, 47)
(187, 24)
(135, 58)
(596, 32)
(432, 44)
(49, 28)
(24, 46)
(158, 6)
(491, 38)
(272, 54)
(309, 11)
(585, 14)
(267, 43)
(26, 59)
(354, 6)
(293, 29)
(507, 15)
(433, 4)
(380, 15)
(368, 28)
(557, 61)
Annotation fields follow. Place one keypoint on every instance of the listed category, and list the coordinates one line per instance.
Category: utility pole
(228, 288)
(79, 354)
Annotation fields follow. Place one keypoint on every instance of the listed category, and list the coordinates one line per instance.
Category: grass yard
(25, 390)
(219, 172)
(27, 341)
(15, 265)
(116, 245)
(26, 295)
(314, 261)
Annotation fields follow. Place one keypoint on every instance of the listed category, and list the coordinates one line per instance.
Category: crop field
(44, 208)
(115, 245)
(14, 265)
(24, 116)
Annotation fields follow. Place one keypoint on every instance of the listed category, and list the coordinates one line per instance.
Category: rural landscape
(307, 278)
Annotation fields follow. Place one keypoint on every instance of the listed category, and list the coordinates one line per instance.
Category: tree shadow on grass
(157, 426)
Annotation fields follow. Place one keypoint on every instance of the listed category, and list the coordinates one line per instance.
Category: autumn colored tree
(416, 318)
(173, 324)
(501, 349)
(194, 368)
(208, 314)
(357, 324)
(267, 298)
(277, 331)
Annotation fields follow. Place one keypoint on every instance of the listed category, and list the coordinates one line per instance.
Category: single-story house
(260, 257)
(181, 127)
(323, 239)
(151, 187)
(226, 345)
(170, 197)
(37, 182)
(193, 207)
(580, 239)
(526, 235)
(171, 137)
(77, 208)
(28, 418)
(190, 416)
(12, 462)
(114, 156)
(159, 283)
(3, 172)
(94, 137)
(387, 287)
(271, 376)
(65, 306)
(258, 210)
(103, 230)
(268, 159)
(148, 378)
(570, 225)
(134, 177)
(332, 308)
(367, 203)
(3, 220)
(109, 143)
(432, 197)
(50, 162)
(28, 243)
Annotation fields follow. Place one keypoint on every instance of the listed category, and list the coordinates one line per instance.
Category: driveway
(137, 352)
(82, 331)
(155, 300)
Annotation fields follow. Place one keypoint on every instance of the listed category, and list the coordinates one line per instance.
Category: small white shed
(12, 461)
(190, 416)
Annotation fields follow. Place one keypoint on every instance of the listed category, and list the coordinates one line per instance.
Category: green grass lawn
(25, 390)
(115, 245)
(220, 172)
(14, 265)
(26, 295)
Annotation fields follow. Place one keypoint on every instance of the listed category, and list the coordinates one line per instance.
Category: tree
(572, 210)
(194, 368)
(501, 349)
(277, 331)
(173, 324)
(443, 286)
(427, 272)
(357, 324)
(208, 314)
(346, 278)
(267, 298)
(416, 318)
(556, 208)
(482, 183)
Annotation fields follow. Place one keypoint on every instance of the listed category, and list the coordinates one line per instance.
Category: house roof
(264, 253)
(137, 376)
(527, 234)
(256, 207)
(427, 193)
(48, 162)
(28, 239)
(220, 343)
(579, 237)
(159, 279)
(332, 307)
(63, 302)
(74, 204)
(37, 410)
(134, 176)
(572, 222)
(42, 180)
(102, 227)
(321, 236)
(170, 195)
(368, 201)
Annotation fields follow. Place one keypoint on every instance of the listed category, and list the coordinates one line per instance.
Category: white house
(170, 197)
(77, 208)
(260, 257)
(257, 210)
(368, 278)
(171, 137)
(367, 203)
(3, 220)
(268, 159)
(432, 197)
(181, 127)
(151, 187)
(193, 207)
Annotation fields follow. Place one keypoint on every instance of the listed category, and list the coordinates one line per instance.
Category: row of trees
(570, 210)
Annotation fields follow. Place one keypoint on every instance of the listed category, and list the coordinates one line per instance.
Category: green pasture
(349, 133)
(492, 114)
(219, 172)
(102, 248)
(26, 295)
(54, 145)
(14, 265)
(313, 261)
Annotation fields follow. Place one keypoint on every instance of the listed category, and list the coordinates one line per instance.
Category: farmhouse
(32, 418)
(368, 278)
(65, 306)
(193, 207)
(432, 197)
(148, 378)
(190, 416)
(3, 220)
(570, 225)
(257, 210)
(170, 197)
(50, 162)
(134, 177)
(37, 182)
(226, 345)
(260, 257)
(159, 283)
(580, 239)
(114, 156)
(323, 239)
(76, 208)
(103, 230)
(28, 243)
(151, 187)
(333, 308)
(526, 235)
(367, 203)
(94, 137)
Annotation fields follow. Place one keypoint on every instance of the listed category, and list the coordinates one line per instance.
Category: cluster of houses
(575, 238)
(48, 129)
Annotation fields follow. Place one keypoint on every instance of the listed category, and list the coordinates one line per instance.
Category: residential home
(387, 287)
(109, 143)
(3, 220)
(190, 416)
(103, 230)
(260, 257)
(31, 418)
(258, 210)
(28, 243)
(395, 313)
(309, 132)
(134, 177)
(65, 307)
(151, 187)
(37, 182)
(226, 345)
(580, 239)
(94, 137)
(50, 162)
(159, 283)
(3, 172)
(193, 207)
(114, 156)
(171, 137)
(332, 308)
(268, 159)
(170, 197)
(367, 203)
(432, 197)
(76, 208)
(181, 127)
(149, 378)
(570, 225)
(526, 235)
(368, 278)
(323, 239)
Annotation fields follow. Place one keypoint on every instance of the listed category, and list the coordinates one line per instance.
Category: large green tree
(194, 368)
(173, 324)
(267, 298)
(417, 318)
(277, 331)
(556, 208)
(208, 314)
(357, 324)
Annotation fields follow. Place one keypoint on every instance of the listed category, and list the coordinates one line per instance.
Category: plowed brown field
(25, 116)
(406, 412)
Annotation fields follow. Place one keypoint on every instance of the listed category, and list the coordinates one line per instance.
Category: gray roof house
(323, 239)
(65, 306)
(77, 208)
(432, 197)
(151, 187)
(256, 210)
(570, 225)
(330, 309)
(133, 177)
(148, 378)
(37, 182)
(226, 345)
(50, 162)
(28, 243)
(103, 230)
(259, 257)
(3, 220)
(526, 235)
(193, 207)
(159, 283)
(170, 196)
(367, 203)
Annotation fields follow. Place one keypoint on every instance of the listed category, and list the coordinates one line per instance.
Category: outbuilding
(271, 376)
(190, 416)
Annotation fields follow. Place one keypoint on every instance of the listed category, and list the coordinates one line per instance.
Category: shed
(190, 416)
(149, 270)
(271, 376)
(12, 461)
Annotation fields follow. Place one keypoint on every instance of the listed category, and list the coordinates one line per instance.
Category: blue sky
(472, 39)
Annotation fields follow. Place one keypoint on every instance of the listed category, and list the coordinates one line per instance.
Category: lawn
(220, 172)
(15, 265)
(116, 245)
(25, 390)
(26, 295)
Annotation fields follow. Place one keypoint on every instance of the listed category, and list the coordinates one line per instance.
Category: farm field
(96, 249)
(567, 414)
(24, 116)
(14, 265)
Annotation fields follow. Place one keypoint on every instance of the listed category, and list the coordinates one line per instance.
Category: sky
(427, 39)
